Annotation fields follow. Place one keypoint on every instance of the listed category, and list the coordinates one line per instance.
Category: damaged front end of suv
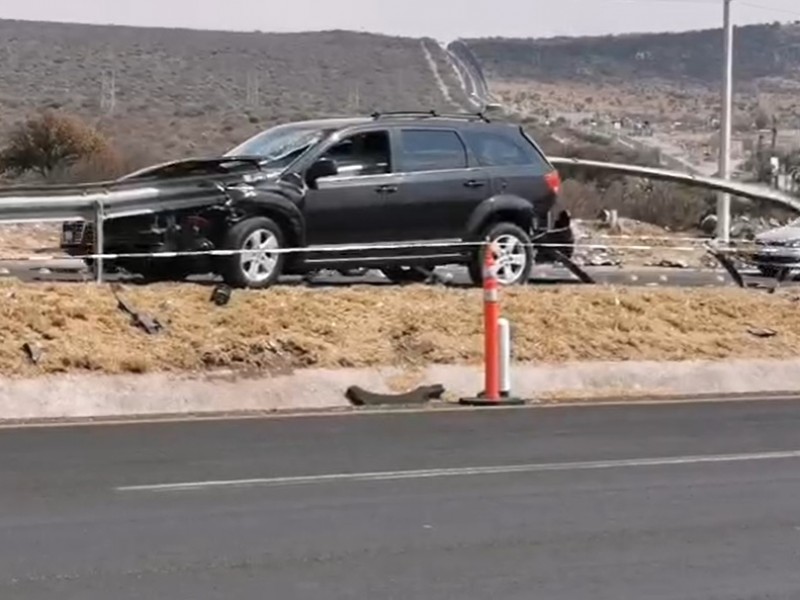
(147, 244)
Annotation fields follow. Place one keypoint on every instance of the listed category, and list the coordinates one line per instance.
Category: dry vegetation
(762, 53)
(186, 92)
(664, 78)
(79, 327)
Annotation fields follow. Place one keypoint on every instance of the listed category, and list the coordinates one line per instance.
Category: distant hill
(185, 91)
(760, 52)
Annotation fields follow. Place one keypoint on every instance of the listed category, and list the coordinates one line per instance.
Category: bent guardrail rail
(121, 198)
(102, 201)
(736, 188)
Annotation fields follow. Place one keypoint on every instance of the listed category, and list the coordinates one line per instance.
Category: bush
(671, 205)
(49, 142)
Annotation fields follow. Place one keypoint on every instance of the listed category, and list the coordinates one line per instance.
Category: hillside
(760, 51)
(186, 91)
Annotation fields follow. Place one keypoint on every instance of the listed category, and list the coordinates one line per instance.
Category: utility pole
(724, 200)
(253, 90)
(108, 93)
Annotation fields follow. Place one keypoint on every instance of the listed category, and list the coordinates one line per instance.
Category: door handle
(474, 183)
(387, 189)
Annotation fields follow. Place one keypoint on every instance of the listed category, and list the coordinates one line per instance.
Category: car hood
(780, 235)
(222, 165)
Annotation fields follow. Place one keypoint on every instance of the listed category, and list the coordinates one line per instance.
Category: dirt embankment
(79, 328)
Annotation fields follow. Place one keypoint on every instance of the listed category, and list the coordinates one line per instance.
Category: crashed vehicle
(778, 249)
(398, 192)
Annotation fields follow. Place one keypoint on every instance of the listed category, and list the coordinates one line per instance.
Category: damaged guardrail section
(139, 195)
(744, 190)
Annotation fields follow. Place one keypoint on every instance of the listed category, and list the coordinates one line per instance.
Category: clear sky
(442, 19)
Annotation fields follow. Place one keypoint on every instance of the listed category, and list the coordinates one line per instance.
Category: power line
(641, 2)
(785, 11)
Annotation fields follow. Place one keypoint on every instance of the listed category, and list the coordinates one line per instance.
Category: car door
(349, 207)
(513, 164)
(439, 187)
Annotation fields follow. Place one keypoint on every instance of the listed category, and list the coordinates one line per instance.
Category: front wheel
(515, 255)
(258, 264)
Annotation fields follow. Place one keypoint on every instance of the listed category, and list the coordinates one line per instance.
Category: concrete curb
(149, 395)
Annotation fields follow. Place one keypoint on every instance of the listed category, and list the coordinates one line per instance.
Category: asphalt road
(649, 502)
(69, 270)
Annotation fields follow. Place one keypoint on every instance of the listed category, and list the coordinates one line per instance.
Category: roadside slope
(164, 93)
(79, 328)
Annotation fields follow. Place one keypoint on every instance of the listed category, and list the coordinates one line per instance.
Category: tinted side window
(430, 150)
(494, 149)
(362, 154)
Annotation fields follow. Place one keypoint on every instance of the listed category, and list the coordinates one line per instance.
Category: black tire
(498, 231)
(402, 275)
(237, 237)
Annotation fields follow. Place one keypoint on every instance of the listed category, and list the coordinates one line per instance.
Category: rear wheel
(515, 255)
(259, 264)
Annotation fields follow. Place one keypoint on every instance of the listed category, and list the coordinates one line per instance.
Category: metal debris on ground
(148, 323)
(33, 351)
(761, 332)
(421, 395)
(729, 266)
(670, 264)
(601, 260)
(221, 295)
(573, 267)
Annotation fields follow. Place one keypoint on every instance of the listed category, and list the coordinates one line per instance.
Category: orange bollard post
(491, 323)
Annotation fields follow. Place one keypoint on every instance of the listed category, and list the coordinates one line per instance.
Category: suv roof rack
(416, 114)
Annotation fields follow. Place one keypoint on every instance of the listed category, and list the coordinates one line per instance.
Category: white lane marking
(459, 472)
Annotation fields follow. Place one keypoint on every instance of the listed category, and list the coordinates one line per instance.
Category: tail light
(553, 180)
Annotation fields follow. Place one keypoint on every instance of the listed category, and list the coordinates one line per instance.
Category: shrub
(48, 142)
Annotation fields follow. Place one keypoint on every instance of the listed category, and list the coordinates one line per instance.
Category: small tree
(48, 142)
(762, 118)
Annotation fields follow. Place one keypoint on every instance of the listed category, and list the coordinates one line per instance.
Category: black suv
(407, 188)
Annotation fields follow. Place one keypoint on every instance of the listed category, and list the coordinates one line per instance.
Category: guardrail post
(99, 218)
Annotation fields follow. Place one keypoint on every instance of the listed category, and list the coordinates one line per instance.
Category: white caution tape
(376, 247)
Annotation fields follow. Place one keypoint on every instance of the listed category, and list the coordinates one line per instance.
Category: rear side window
(494, 149)
(432, 150)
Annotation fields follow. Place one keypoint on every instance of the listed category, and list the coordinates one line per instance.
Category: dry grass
(27, 240)
(79, 327)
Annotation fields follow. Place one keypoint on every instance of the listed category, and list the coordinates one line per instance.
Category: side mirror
(324, 167)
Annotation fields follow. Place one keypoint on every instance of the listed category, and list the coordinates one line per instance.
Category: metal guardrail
(98, 202)
(736, 188)
(120, 198)
(111, 204)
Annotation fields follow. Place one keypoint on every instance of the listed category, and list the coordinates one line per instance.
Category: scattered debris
(762, 332)
(671, 264)
(33, 351)
(221, 295)
(361, 397)
(729, 266)
(148, 323)
(602, 260)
